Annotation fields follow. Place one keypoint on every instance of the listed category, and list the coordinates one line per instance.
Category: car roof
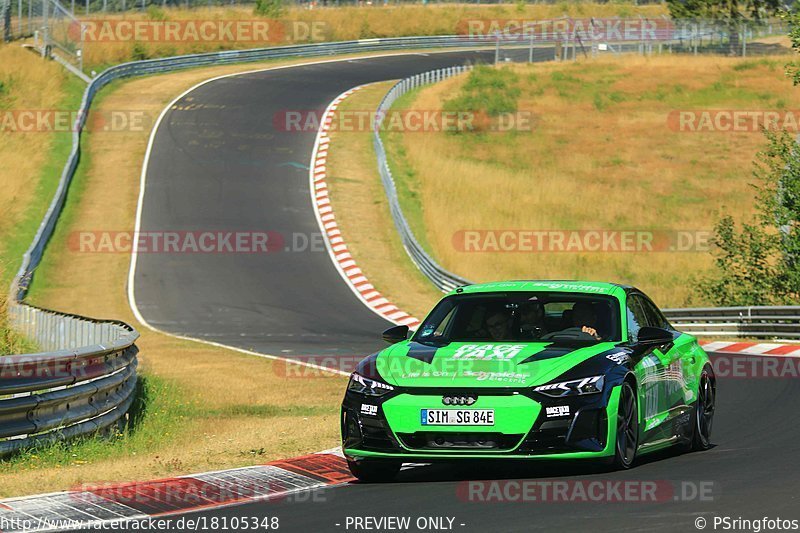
(587, 287)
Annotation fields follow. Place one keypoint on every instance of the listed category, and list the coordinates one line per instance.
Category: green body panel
(513, 414)
(668, 383)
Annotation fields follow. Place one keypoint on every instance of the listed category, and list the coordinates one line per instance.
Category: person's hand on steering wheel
(591, 331)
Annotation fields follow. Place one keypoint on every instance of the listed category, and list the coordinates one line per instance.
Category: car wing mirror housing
(655, 336)
(395, 334)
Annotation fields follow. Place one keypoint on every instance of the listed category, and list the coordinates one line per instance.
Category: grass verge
(603, 155)
(31, 160)
(11, 342)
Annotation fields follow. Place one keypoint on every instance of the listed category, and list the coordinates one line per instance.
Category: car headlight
(367, 386)
(591, 385)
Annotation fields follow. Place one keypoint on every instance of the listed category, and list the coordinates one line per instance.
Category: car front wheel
(627, 440)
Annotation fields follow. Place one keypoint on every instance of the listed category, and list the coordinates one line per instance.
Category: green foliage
(138, 52)
(778, 169)
(489, 90)
(11, 342)
(760, 264)
(5, 92)
(269, 8)
(744, 267)
(365, 30)
(729, 11)
(156, 13)
(793, 18)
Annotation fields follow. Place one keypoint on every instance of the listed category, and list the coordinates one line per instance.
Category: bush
(269, 8)
(138, 52)
(156, 13)
(4, 93)
(11, 342)
(488, 90)
(760, 265)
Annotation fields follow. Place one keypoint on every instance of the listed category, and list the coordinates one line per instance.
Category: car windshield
(522, 317)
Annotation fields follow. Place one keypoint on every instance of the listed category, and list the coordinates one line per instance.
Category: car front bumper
(390, 427)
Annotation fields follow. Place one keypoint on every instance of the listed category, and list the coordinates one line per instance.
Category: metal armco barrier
(760, 321)
(65, 392)
(443, 279)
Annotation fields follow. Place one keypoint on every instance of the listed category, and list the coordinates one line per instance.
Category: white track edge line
(143, 183)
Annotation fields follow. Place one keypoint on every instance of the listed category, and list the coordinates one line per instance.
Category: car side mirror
(655, 336)
(397, 334)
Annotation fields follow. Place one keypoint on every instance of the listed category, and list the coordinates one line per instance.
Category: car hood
(481, 364)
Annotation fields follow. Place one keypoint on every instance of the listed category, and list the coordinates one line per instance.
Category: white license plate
(457, 417)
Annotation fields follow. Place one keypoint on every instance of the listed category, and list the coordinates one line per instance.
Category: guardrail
(442, 278)
(758, 321)
(65, 392)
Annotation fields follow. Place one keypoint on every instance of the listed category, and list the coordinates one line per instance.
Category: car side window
(654, 316)
(636, 317)
(443, 325)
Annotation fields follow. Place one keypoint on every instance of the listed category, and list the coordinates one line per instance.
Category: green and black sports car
(529, 370)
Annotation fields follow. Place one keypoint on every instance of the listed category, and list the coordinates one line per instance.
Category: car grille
(440, 440)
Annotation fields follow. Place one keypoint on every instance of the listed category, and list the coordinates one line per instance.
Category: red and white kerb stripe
(344, 262)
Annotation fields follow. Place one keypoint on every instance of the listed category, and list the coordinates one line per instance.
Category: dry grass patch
(339, 24)
(601, 156)
(29, 160)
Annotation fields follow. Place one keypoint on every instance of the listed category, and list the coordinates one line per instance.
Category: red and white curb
(334, 241)
(93, 507)
(752, 348)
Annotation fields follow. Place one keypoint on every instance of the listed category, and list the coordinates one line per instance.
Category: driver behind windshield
(584, 324)
(498, 324)
(531, 320)
(585, 318)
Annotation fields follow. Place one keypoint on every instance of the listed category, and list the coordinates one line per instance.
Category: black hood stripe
(421, 352)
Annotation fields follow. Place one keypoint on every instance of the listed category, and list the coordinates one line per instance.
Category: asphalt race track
(750, 472)
(218, 164)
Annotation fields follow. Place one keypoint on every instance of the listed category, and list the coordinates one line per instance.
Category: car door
(676, 384)
(651, 371)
